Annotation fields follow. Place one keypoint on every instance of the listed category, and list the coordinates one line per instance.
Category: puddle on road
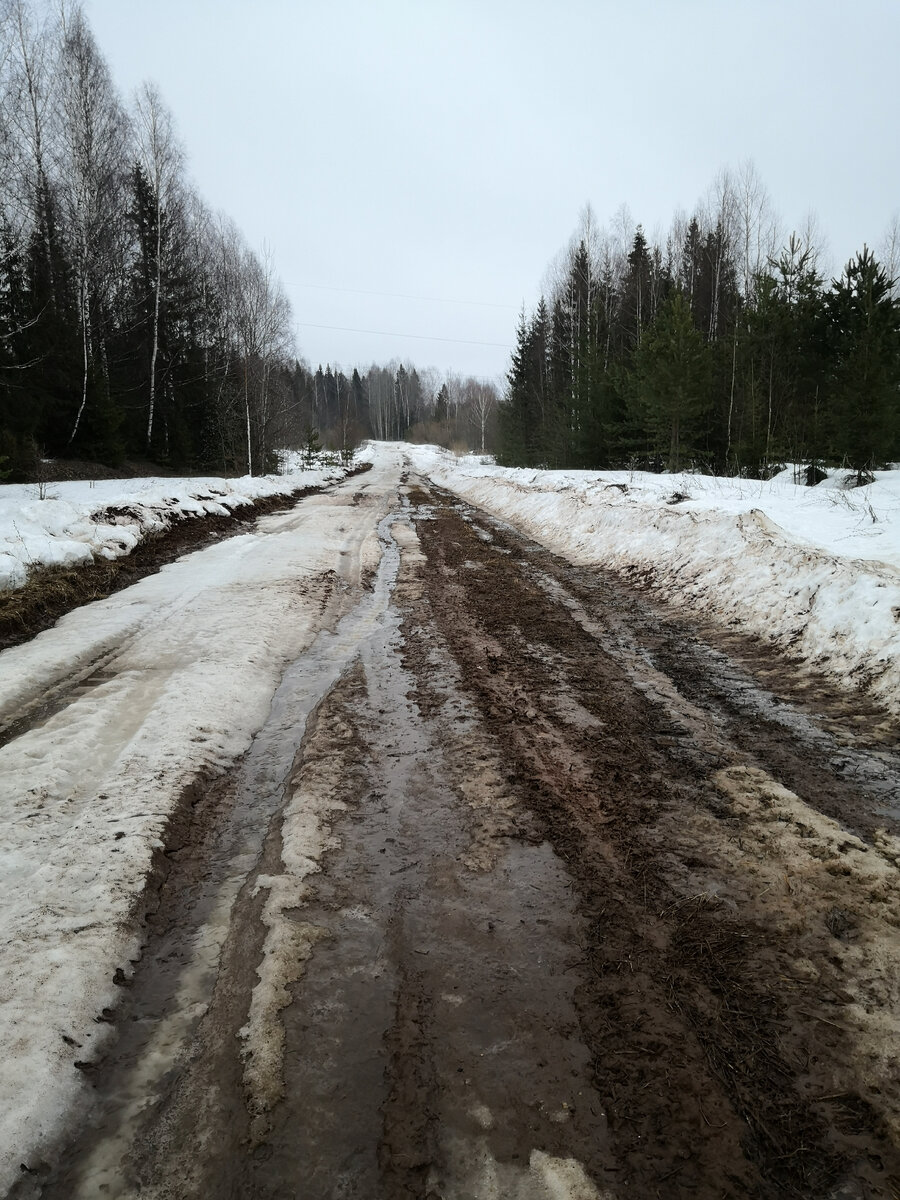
(433, 993)
(433, 1032)
(37, 712)
(673, 992)
(435, 1024)
(429, 1044)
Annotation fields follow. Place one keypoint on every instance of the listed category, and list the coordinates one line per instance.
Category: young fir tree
(442, 405)
(672, 379)
(865, 329)
(635, 307)
(519, 432)
(311, 445)
(801, 354)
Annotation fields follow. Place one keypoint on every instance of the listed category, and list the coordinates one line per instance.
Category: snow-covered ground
(815, 570)
(62, 524)
(159, 685)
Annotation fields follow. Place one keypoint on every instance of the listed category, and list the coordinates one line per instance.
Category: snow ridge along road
(814, 571)
(484, 877)
(66, 524)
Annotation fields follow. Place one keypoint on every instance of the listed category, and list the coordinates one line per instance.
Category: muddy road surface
(525, 889)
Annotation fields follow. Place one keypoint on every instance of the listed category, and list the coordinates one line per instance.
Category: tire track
(731, 1032)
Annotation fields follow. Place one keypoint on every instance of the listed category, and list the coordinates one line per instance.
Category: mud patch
(530, 921)
(179, 1108)
(706, 993)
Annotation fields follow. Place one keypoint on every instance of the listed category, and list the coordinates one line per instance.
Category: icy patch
(288, 946)
(314, 798)
(162, 685)
(564, 1178)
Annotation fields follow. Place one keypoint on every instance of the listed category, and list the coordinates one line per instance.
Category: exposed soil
(736, 941)
(60, 470)
(557, 895)
(50, 592)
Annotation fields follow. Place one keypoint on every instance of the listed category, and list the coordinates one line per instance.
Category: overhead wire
(324, 287)
(421, 337)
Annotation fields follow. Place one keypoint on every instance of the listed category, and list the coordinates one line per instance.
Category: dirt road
(525, 889)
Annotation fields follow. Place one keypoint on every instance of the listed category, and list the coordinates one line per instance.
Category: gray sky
(441, 151)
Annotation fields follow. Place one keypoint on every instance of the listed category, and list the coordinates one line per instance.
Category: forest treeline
(720, 347)
(397, 402)
(137, 323)
(134, 321)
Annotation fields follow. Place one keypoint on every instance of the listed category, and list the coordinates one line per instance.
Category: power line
(324, 287)
(420, 337)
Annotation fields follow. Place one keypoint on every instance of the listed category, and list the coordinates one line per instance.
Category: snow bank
(77, 522)
(814, 570)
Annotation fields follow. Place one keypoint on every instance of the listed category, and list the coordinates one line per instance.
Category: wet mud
(739, 955)
(530, 889)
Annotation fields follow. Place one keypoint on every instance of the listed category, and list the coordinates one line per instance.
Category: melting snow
(196, 652)
(61, 524)
(815, 570)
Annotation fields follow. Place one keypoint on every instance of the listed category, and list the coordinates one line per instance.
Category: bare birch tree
(263, 324)
(161, 158)
(721, 220)
(481, 399)
(381, 400)
(889, 252)
(29, 58)
(756, 222)
(92, 153)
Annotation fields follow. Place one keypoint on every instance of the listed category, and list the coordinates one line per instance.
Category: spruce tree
(865, 332)
(513, 411)
(672, 375)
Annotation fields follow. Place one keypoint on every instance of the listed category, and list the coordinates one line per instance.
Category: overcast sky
(413, 167)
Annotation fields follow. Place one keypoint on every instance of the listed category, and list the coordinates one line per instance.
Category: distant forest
(134, 322)
(137, 324)
(720, 347)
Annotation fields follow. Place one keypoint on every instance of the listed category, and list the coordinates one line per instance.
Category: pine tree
(311, 445)
(442, 405)
(634, 310)
(802, 353)
(543, 408)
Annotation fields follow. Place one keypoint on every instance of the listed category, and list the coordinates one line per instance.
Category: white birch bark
(161, 158)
